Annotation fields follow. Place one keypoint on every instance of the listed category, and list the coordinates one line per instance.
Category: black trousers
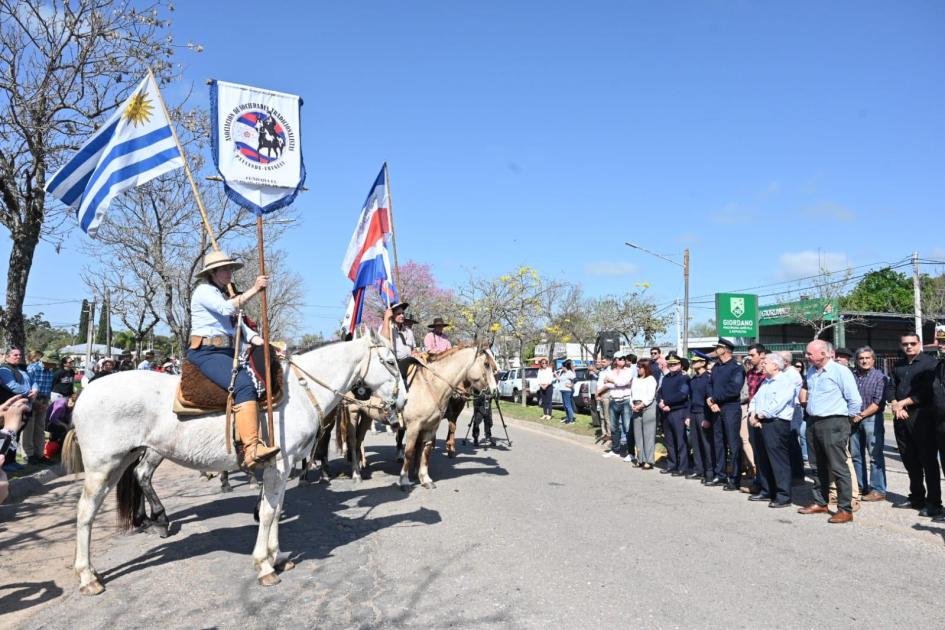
(832, 445)
(674, 432)
(726, 429)
(700, 440)
(776, 467)
(917, 440)
(482, 412)
(757, 441)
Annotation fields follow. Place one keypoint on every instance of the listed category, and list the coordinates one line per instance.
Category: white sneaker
(630, 459)
(610, 454)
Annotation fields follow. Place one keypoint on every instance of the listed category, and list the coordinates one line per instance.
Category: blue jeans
(567, 399)
(868, 437)
(620, 425)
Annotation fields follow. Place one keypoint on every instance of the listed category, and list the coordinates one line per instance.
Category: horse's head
(480, 377)
(382, 374)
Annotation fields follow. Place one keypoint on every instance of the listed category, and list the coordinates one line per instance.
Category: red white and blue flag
(367, 261)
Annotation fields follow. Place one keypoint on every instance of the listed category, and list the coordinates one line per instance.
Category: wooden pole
(190, 176)
(265, 328)
(393, 232)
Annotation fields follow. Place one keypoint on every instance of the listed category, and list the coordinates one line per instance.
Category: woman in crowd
(63, 380)
(642, 394)
(546, 379)
(566, 385)
(616, 383)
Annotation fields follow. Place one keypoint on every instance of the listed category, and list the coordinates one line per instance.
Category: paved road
(546, 534)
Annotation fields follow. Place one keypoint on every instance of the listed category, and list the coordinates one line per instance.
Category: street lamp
(685, 268)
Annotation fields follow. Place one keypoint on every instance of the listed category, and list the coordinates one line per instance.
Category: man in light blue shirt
(832, 400)
(772, 409)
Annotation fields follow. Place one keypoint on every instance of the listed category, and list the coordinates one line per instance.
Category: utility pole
(89, 335)
(679, 341)
(685, 336)
(682, 327)
(917, 295)
(108, 324)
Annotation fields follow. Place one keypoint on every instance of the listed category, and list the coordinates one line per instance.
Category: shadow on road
(23, 595)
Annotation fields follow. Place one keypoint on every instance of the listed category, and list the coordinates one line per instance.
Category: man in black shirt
(909, 394)
(63, 380)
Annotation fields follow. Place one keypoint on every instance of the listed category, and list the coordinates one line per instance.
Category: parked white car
(510, 386)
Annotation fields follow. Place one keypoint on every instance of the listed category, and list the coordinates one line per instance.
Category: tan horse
(462, 371)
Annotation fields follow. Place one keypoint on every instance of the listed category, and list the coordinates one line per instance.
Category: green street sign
(736, 314)
(792, 312)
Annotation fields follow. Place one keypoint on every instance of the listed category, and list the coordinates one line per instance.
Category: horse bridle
(304, 376)
(458, 391)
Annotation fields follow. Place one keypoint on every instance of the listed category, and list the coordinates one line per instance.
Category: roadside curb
(538, 427)
(23, 487)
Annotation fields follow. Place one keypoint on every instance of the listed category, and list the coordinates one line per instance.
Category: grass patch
(581, 426)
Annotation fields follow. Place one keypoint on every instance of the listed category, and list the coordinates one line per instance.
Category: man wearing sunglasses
(909, 394)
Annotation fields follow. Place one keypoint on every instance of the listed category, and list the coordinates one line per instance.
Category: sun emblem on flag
(139, 109)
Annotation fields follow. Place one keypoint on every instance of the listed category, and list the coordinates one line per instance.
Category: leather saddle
(197, 395)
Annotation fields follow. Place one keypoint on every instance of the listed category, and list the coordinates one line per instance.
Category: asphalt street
(544, 534)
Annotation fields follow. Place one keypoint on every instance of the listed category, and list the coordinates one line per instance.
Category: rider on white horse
(213, 318)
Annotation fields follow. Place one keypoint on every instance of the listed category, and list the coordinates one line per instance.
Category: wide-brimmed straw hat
(216, 260)
(438, 321)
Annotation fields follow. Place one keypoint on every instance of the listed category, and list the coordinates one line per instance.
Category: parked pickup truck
(510, 385)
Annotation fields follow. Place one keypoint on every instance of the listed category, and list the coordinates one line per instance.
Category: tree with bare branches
(64, 67)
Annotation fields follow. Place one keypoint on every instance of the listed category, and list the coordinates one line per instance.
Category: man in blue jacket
(17, 381)
(724, 400)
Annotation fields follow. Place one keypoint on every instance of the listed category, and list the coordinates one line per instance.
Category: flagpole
(265, 328)
(393, 232)
(190, 176)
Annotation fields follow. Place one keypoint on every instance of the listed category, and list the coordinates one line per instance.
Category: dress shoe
(693, 476)
(939, 519)
(813, 508)
(758, 497)
(730, 487)
(931, 511)
(666, 471)
(874, 496)
(908, 505)
(840, 517)
(779, 504)
(677, 473)
(715, 481)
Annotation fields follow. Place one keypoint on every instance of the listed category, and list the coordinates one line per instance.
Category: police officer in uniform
(674, 403)
(724, 400)
(700, 428)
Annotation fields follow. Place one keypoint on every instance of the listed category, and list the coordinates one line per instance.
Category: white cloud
(830, 210)
(734, 214)
(810, 263)
(609, 268)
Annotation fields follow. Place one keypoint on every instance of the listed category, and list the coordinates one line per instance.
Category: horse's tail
(71, 455)
(341, 427)
(129, 496)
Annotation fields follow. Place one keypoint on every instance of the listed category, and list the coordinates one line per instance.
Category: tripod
(501, 417)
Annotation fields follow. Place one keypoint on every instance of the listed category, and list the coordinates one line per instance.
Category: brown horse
(461, 372)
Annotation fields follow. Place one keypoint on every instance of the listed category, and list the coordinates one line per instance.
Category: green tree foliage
(882, 291)
(41, 335)
(101, 334)
(83, 322)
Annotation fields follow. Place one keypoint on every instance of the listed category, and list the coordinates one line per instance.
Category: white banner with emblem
(257, 144)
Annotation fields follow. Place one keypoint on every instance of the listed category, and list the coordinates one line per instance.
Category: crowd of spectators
(759, 426)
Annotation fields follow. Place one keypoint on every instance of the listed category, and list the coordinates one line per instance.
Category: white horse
(118, 418)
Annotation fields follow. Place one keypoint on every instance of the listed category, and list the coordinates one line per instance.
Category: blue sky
(764, 136)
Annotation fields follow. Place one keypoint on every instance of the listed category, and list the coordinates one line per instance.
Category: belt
(215, 341)
(835, 415)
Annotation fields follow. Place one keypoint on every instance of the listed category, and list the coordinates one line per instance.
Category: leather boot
(255, 450)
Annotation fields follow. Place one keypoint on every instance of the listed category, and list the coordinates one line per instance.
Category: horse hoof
(226, 489)
(451, 454)
(163, 531)
(92, 588)
(270, 579)
(288, 565)
(429, 485)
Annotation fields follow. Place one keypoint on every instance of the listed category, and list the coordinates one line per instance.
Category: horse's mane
(439, 356)
(315, 346)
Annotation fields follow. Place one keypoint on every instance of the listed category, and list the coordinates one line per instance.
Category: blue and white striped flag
(133, 147)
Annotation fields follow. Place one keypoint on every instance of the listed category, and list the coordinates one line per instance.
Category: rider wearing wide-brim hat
(213, 316)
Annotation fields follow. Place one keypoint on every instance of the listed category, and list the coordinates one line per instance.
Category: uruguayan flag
(133, 147)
